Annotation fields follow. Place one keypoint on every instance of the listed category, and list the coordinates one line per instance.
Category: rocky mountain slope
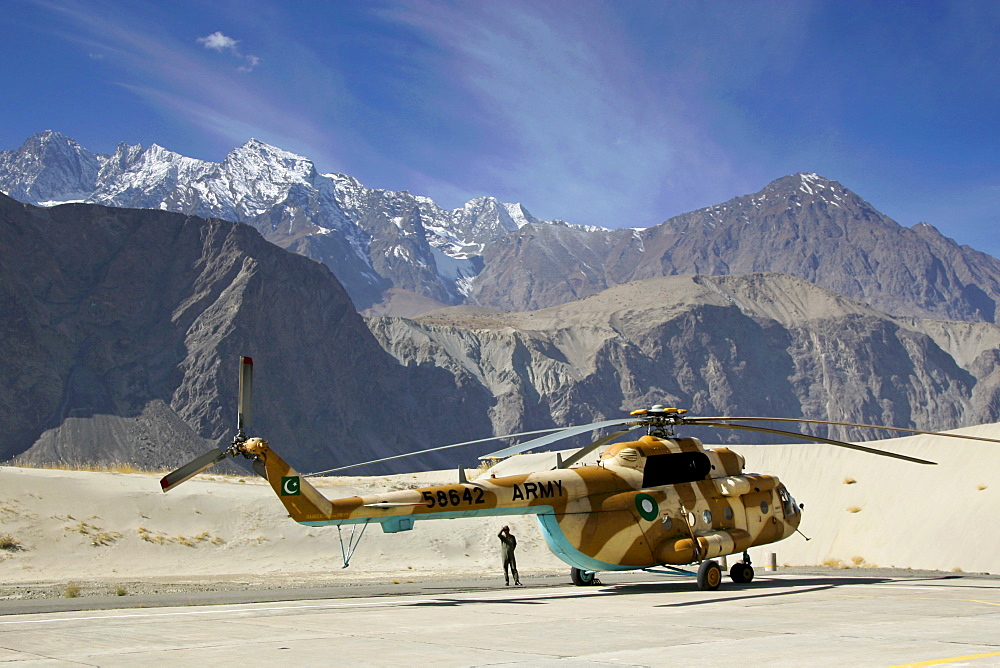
(802, 225)
(121, 334)
(372, 240)
(755, 344)
(399, 253)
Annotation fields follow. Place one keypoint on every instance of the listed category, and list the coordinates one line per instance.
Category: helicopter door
(759, 510)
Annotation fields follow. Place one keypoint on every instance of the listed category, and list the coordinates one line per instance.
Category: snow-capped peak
(257, 157)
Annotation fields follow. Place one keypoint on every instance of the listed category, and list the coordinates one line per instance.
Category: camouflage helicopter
(661, 500)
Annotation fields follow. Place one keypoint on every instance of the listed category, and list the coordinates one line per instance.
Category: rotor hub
(661, 420)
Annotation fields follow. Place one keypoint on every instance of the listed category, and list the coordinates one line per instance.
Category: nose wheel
(742, 571)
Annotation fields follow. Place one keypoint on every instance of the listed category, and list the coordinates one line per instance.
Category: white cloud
(220, 42)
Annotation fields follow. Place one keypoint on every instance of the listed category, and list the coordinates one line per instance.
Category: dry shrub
(9, 543)
(854, 509)
(849, 481)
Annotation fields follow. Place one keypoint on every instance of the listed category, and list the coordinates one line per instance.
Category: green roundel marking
(647, 507)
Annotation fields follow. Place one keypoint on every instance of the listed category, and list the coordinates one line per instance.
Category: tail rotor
(214, 456)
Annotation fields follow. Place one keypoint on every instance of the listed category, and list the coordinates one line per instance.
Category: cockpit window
(788, 505)
(675, 467)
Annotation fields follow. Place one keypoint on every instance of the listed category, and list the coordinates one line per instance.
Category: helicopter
(663, 500)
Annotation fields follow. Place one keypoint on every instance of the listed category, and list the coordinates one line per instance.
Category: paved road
(778, 620)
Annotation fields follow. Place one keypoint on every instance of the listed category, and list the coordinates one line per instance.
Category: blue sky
(605, 113)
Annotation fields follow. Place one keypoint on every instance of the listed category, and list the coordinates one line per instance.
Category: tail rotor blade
(246, 392)
(191, 469)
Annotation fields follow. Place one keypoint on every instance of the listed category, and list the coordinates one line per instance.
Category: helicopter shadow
(760, 588)
(623, 589)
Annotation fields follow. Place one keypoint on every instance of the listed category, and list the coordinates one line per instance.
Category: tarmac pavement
(780, 619)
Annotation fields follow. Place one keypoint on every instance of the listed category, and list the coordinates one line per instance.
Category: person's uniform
(507, 545)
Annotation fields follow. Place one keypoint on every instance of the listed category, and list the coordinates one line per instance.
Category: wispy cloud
(173, 78)
(217, 41)
(583, 119)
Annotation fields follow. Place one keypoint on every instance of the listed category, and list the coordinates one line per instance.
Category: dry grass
(980, 487)
(854, 509)
(124, 467)
(858, 561)
(849, 481)
(99, 537)
(833, 563)
(161, 538)
(115, 467)
(9, 543)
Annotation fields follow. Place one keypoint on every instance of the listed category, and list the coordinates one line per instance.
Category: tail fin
(303, 502)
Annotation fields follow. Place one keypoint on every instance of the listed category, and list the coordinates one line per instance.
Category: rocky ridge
(755, 344)
(802, 225)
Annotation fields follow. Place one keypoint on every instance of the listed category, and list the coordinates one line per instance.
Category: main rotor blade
(421, 452)
(818, 439)
(586, 450)
(191, 469)
(700, 420)
(246, 392)
(560, 434)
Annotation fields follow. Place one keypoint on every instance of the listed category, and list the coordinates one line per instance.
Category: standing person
(507, 545)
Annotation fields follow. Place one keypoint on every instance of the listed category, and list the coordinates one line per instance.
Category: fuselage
(645, 503)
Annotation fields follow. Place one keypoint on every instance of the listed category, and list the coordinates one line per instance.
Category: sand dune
(859, 508)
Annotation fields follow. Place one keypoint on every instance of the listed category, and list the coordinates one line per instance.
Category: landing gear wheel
(582, 578)
(709, 576)
(741, 573)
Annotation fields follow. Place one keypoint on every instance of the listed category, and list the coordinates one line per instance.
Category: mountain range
(402, 254)
(123, 319)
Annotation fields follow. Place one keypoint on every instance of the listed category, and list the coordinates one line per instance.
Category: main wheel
(709, 576)
(582, 578)
(741, 573)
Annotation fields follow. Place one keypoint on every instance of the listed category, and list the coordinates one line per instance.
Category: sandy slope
(92, 526)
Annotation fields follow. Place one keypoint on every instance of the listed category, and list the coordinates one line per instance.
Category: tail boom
(528, 494)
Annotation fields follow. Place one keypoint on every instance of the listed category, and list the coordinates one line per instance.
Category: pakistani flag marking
(290, 486)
